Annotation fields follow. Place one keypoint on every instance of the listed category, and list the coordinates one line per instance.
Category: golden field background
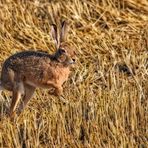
(107, 92)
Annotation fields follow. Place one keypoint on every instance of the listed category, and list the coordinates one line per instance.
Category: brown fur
(24, 71)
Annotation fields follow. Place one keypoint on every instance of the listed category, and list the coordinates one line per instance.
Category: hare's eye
(62, 51)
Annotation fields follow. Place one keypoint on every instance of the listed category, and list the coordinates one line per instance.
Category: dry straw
(108, 90)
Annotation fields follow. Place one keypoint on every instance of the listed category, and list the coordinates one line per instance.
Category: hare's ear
(64, 31)
(54, 34)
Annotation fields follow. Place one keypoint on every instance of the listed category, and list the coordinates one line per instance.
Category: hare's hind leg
(29, 91)
(18, 90)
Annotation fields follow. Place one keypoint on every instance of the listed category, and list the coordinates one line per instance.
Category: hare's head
(65, 52)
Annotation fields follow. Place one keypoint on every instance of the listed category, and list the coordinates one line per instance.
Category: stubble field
(107, 92)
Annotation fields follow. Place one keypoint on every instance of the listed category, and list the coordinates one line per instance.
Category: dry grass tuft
(108, 90)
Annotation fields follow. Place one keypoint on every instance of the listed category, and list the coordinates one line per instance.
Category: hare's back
(29, 64)
(26, 58)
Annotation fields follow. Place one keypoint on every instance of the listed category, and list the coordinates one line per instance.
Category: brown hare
(23, 72)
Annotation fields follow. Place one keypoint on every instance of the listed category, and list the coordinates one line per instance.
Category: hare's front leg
(58, 91)
(58, 88)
